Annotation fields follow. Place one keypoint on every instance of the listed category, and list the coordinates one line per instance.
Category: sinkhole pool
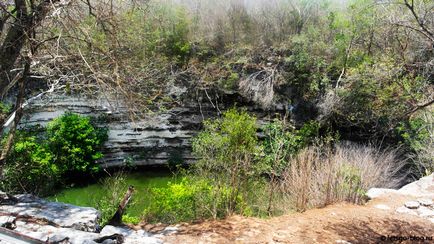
(94, 194)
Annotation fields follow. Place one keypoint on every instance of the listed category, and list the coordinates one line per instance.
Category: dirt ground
(340, 223)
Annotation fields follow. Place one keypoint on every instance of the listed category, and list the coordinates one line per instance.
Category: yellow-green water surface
(91, 195)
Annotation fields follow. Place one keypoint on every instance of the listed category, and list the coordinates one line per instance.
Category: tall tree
(18, 21)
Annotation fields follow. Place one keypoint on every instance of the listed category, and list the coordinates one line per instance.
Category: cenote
(92, 194)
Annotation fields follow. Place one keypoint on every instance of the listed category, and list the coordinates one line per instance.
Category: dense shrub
(413, 133)
(39, 161)
(417, 137)
(29, 167)
(74, 141)
(229, 174)
(371, 109)
(192, 198)
(281, 142)
(175, 203)
(4, 110)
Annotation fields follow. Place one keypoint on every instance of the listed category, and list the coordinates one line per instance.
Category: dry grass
(317, 177)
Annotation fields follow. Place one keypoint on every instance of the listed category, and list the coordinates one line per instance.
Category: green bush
(417, 137)
(413, 133)
(4, 108)
(371, 109)
(350, 186)
(228, 153)
(172, 204)
(282, 141)
(74, 142)
(29, 167)
(38, 161)
(192, 198)
(130, 219)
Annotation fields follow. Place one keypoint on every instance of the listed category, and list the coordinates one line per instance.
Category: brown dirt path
(339, 223)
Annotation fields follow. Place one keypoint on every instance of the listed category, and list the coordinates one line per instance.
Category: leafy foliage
(4, 110)
(130, 219)
(39, 162)
(74, 142)
(30, 167)
(228, 151)
(282, 142)
(192, 198)
(417, 137)
(413, 133)
(175, 203)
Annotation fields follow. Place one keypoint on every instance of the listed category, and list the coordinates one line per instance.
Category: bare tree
(18, 21)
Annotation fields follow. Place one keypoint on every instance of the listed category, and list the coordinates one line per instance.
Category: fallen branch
(117, 217)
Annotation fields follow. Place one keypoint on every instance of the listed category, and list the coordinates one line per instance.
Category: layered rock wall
(158, 138)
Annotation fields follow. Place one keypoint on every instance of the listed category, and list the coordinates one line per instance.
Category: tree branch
(421, 24)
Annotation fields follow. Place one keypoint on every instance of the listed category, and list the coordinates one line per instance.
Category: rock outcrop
(54, 222)
(160, 137)
(28, 207)
(422, 192)
(151, 141)
(424, 187)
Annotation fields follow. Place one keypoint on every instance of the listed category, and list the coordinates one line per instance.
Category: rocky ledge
(422, 193)
(52, 222)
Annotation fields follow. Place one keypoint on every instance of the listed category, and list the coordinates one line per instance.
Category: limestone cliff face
(158, 138)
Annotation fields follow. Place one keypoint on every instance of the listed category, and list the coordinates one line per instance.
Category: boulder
(405, 210)
(424, 187)
(54, 222)
(54, 213)
(425, 212)
(378, 192)
(53, 234)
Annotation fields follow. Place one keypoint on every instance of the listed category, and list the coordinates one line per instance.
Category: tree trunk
(13, 43)
(26, 20)
(18, 112)
(271, 195)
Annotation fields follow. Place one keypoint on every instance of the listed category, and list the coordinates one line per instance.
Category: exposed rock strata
(154, 140)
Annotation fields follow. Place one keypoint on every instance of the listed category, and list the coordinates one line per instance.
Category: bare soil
(339, 223)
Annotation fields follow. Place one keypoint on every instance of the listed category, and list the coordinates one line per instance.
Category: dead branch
(117, 217)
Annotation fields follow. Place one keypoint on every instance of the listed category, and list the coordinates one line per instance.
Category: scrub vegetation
(356, 79)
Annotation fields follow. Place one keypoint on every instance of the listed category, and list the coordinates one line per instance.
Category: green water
(91, 195)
